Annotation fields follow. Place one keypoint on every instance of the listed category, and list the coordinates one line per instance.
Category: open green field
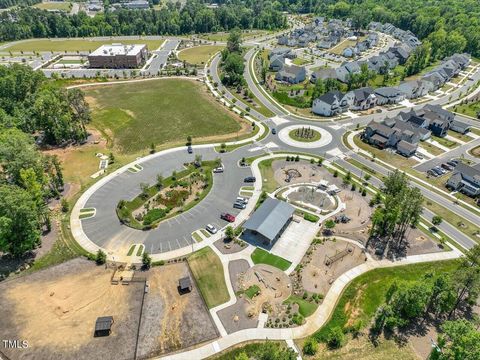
(163, 112)
(223, 36)
(63, 6)
(207, 270)
(366, 293)
(198, 55)
(74, 45)
(260, 256)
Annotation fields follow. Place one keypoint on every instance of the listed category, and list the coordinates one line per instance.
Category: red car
(227, 217)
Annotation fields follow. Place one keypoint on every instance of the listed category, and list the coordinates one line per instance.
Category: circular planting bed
(305, 134)
(305, 137)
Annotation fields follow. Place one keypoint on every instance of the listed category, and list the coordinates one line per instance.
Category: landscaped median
(168, 197)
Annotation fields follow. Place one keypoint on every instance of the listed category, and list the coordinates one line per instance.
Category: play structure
(329, 260)
(291, 174)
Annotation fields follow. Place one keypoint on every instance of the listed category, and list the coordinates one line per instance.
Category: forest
(5, 4)
(194, 17)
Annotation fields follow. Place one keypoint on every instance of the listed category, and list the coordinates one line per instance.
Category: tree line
(31, 106)
(5, 4)
(194, 17)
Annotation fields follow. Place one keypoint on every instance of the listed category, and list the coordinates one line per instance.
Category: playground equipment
(292, 174)
(330, 260)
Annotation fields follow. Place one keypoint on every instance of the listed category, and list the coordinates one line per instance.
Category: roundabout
(305, 137)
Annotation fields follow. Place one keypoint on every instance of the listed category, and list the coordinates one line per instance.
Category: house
(406, 149)
(276, 62)
(439, 111)
(349, 52)
(282, 40)
(291, 74)
(346, 69)
(433, 81)
(460, 126)
(466, 179)
(331, 104)
(270, 220)
(324, 44)
(280, 51)
(439, 127)
(414, 89)
(363, 99)
(323, 74)
(379, 135)
(389, 95)
(402, 52)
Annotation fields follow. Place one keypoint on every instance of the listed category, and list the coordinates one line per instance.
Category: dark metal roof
(103, 323)
(270, 218)
(185, 283)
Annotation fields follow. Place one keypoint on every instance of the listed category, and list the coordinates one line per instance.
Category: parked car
(250, 179)
(227, 217)
(418, 155)
(452, 163)
(189, 150)
(437, 171)
(218, 170)
(211, 229)
(274, 131)
(242, 200)
(431, 172)
(239, 205)
(447, 167)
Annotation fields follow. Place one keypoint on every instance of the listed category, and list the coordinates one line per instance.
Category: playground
(324, 263)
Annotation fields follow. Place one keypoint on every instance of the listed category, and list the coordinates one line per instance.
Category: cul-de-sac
(239, 179)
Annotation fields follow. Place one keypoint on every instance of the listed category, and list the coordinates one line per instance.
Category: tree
(111, 158)
(335, 337)
(437, 220)
(159, 181)
(189, 140)
(310, 347)
(152, 148)
(100, 257)
(19, 221)
(459, 340)
(242, 356)
(64, 205)
(146, 260)
(223, 147)
(229, 233)
(234, 41)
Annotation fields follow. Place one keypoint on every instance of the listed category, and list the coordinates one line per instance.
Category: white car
(242, 200)
(219, 169)
(211, 229)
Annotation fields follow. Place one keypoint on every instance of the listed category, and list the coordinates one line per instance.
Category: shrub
(64, 204)
(146, 260)
(153, 215)
(101, 257)
(335, 173)
(310, 217)
(310, 347)
(335, 338)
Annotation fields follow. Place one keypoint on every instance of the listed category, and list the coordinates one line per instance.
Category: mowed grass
(161, 112)
(207, 270)
(366, 293)
(64, 6)
(198, 55)
(260, 256)
(74, 45)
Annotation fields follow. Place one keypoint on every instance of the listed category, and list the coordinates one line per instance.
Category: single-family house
(331, 104)
(323, 74)
(460, 126)
(291, 74)
(363, 99)
(414, 89)
(466, 179)
(379, 135)
(406, 149)
(389, 95)
(277, 62)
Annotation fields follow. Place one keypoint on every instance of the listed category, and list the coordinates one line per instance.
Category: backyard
(208, 273)
(135, 115)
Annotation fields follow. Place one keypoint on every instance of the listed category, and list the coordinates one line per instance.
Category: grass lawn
(315, 136)
(300, 61)
(432, 149)
(269, 184)
(338, 50)
(260, 256)
(305, 308)
(471, 109)
(365, 294)
(197, 237)
(207, 270)
(475, 151)
(198, 55)
(130, 251)
(461, 137)
(475, 131)
(252, 291)
(73, 45)
(63, 6)
(223, 36)
(445, 142)
(132, 116)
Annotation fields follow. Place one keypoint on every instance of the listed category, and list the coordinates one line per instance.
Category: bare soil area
(55, 311)
(324, 263)
(359, 213)
(172, 321)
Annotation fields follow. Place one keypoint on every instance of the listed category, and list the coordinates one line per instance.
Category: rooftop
(118, 49)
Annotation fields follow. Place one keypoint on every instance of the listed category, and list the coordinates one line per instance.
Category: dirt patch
(323, 263)
(230, 247)
(64, 302)
(358, 212)
(172, 321)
